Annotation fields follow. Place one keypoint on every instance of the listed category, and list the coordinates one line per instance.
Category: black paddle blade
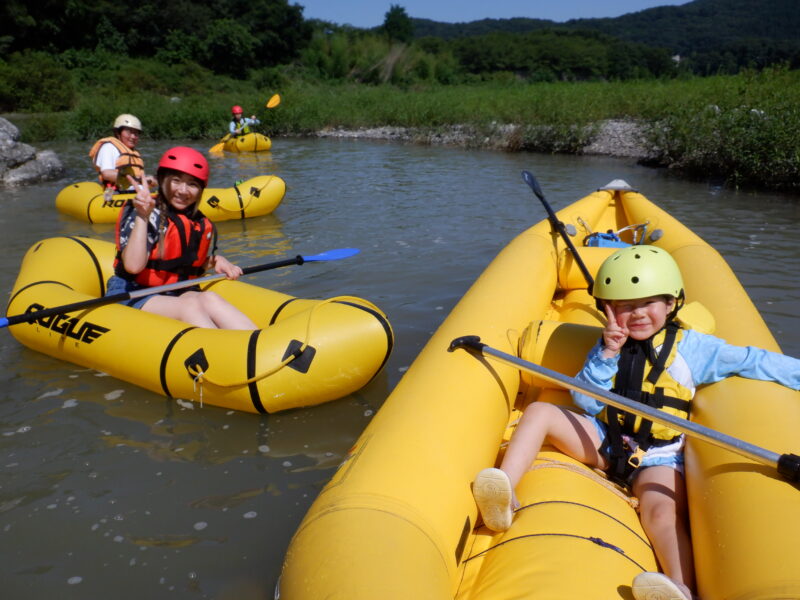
(533, 184)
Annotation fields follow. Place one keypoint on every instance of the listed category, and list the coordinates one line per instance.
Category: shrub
(35, 82)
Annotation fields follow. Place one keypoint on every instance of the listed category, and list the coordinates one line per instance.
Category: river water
(107, 490)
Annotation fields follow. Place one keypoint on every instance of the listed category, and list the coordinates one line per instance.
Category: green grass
(744, 128)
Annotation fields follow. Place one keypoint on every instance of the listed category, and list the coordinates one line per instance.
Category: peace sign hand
(614, 335)
(143, 202)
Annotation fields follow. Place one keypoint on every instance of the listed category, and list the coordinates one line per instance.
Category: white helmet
(128, 121)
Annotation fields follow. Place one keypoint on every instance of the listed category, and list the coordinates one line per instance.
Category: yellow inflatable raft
(249, 142)
(349, 339)
(252, 198)
(398, 519)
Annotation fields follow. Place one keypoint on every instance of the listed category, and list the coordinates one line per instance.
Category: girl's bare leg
(571, 433)
(201, 309)
(663, 510)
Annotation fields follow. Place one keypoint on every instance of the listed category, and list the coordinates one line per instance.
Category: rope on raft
(201, 376)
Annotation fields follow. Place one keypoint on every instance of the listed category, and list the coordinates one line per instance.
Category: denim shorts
(670, 455)
(118, 285)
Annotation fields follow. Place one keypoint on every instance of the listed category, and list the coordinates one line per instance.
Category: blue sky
(370, 13)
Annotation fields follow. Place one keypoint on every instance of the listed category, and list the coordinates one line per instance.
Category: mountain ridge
(698, 26)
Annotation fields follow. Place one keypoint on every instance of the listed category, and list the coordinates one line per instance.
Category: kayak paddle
(558, 226)
(787, 465)
(123, 296)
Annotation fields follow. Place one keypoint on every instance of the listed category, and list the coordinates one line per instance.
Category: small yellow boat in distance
(255, 197)
(398, 520)
(339, 344)
(249, 142)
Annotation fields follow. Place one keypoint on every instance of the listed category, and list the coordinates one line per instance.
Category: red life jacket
(187, 244)
(129, 161)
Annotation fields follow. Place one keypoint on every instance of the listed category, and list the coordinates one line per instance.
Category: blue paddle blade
(332, 254)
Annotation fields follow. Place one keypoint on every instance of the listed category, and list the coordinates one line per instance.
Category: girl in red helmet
(166, 239)
(240, 125)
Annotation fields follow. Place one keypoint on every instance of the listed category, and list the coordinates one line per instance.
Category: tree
(397, 24)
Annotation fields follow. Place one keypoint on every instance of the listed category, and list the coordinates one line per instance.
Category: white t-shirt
(106, 157)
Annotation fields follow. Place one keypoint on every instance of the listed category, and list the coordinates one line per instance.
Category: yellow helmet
(638, 272)
(129, 121)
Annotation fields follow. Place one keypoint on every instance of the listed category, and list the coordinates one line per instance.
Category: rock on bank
(20, 163)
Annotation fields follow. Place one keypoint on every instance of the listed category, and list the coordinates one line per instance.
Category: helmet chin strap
(679, 302)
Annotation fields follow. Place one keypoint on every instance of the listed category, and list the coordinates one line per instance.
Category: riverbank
(621, 138)
(740, 131)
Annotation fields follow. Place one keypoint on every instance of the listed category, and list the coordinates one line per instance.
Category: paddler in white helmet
(116, 157)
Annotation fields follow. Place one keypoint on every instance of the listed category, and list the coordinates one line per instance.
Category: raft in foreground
(398, 519)
(255, 197)
(349, 339)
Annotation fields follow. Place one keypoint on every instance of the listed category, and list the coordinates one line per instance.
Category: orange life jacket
(129, 162)
(187, 243)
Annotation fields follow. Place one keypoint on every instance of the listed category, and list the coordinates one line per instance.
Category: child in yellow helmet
(644, 355)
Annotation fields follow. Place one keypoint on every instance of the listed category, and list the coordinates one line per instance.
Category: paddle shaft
(132, 295)
(788, 465)
(558, 226)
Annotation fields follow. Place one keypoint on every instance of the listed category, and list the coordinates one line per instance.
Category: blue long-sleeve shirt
(246, 121)
(708, 359)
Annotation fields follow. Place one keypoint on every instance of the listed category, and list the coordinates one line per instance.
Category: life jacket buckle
(635, 459)
(637, 453)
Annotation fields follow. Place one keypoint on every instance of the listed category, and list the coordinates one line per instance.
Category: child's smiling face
(182, 190)
(643, 317)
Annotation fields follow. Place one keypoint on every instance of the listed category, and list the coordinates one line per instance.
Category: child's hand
(614, 336)
(143, 202)
(226, 267)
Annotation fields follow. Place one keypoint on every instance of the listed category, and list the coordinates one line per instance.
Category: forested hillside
(713, 35)
(185, 47)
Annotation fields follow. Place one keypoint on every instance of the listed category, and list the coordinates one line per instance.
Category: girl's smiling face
(182, 190)
(643, 317)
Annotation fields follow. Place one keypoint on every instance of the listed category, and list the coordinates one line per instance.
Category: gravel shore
(618, 138)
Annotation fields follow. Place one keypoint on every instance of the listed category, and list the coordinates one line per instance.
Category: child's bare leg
(573, 434)
(664, 513)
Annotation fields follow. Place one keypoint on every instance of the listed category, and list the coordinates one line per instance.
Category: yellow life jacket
(643, 376)
(245, 126)
(129, 162)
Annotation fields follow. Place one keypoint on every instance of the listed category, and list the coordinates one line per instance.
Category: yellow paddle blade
(274, 101)
(221, 146)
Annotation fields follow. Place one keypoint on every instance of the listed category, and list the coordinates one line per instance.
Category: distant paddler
(116, 157)
(240, 124)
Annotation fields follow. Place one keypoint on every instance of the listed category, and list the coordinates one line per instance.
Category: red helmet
(236, 110)
(186, 160)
